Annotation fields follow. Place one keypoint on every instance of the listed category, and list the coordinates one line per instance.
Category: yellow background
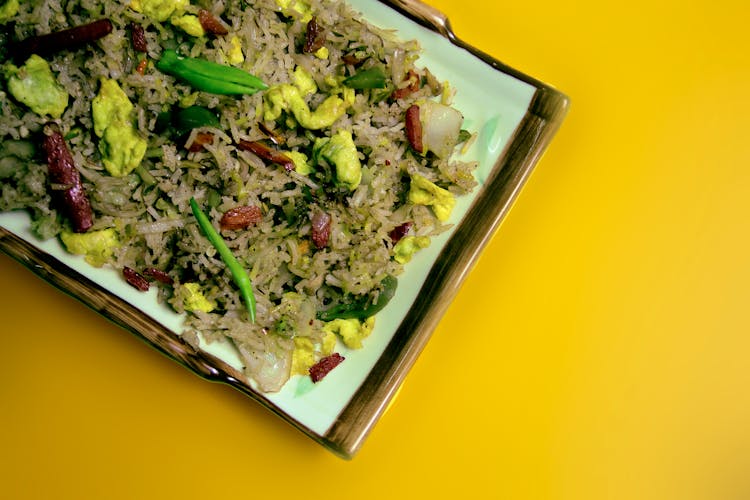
(598, 350)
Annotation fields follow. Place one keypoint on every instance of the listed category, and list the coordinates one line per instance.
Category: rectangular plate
(515, 117)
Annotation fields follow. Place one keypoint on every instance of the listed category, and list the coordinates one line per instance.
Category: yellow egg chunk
(352, 331)
(97, 246)
(424, 192)
(341, 151)
(8, 9)
(34, 85)
(193, 299)
(290, 97)
(188, 23)
(159, 10)
(306, 352)
(121, 147)
(405, 249)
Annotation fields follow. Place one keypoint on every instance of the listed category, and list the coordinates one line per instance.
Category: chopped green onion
(371, 78)
(241, 279)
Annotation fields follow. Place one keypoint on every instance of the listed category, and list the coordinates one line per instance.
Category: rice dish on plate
(315, 145)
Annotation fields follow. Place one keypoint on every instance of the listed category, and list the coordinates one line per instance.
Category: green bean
(240, 277)
(209, 76)
(371, 78)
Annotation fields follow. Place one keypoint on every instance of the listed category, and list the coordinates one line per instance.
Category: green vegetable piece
(34, 85)
(370, 78)
(192, 117)
(209, 76)
(241, 279)
(365, 306)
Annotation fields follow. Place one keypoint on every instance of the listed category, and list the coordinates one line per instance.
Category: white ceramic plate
(515, 117)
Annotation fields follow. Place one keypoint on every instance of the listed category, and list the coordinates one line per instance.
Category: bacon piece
(399, 232)
(321, 228)
(62, 172)
(414, 128)
(211, 23)
(314, 37)
(241, 217)
(135, 279)
(50, 43)
(138, 37)
(201, 138)
(158, 275)
(324, 366)
(414, 83)
(266, 153)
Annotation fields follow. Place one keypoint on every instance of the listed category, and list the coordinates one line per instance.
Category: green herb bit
(209, 76)
(241, 279)
(365, 307)
(371, 78)
(192, 117)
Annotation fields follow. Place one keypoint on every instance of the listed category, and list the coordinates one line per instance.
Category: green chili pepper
(371, 78)
(364, 307)
(192, 117)
(241, 279)
(209, 76)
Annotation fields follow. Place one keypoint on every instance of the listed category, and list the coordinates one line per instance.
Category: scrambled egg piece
(172, 11)
(341, 151)
(407, 246)
(159, 10)
(352, 331)
(290, 97)
(189, 24)
(192, 298)
(235, 55)
(306, 353)
(322, 53)
(121, 146)
(301, 165)
(34, 85)
(97, 247)
(8, 9)
(300, 7)
(424, 192)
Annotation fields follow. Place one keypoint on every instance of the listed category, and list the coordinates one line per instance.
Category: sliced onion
(441, 126)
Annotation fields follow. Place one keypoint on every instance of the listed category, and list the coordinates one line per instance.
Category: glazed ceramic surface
(514, 117)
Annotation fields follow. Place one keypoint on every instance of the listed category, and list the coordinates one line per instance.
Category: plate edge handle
(425, 15)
